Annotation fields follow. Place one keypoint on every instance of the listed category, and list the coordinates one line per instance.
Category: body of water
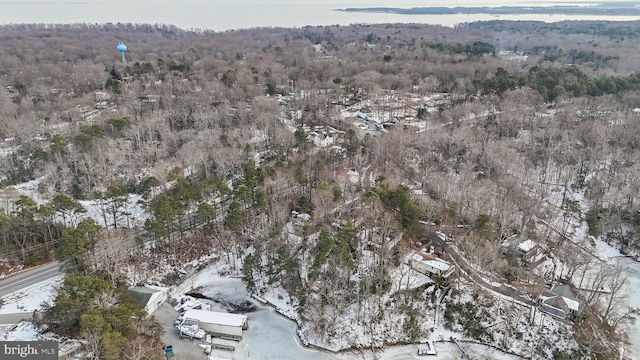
(221, 15)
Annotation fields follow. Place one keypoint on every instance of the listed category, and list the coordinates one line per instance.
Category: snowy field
(30, 298)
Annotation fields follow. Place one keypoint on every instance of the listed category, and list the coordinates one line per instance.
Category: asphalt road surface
(29, 277)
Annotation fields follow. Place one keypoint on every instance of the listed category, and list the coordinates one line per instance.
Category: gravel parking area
(184, 349)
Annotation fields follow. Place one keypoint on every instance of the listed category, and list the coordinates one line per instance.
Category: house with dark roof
(149, 298)
(560, 301)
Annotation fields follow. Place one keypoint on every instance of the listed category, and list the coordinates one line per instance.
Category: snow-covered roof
(438, 264)
(214, 317)
(546, 294)
(526, 245)
(509, 242)
(434, 263)
(572, 304)
(561, 294)
(552, 310)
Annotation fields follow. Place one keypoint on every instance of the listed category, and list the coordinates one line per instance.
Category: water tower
(123, 48)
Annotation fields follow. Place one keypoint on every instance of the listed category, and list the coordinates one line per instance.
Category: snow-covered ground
(30, 298)
(270, 332)
(631, 268)
(22, 331)
(611, 256)
(134, 208)
(577, 231)
(229, 287)
(270, 335)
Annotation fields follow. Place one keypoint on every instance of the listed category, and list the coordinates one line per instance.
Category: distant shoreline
(606, 9)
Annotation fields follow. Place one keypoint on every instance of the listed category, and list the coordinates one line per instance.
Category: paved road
(14, 318)
(29, 277)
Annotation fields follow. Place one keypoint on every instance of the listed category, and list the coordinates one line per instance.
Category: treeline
(605, 223)
(610, 29)
(553, 53)
(551, 83)
(477, 48)
(194, 200)
(31, 233)
(165, 29)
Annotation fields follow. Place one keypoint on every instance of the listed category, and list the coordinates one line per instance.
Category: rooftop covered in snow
(214, 317)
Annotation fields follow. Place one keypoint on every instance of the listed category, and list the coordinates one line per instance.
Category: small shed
(149, 298)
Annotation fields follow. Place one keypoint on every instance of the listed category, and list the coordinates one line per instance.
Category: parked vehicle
(178, 321)
(191, 332)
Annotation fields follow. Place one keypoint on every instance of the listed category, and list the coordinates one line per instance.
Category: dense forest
(485, 131)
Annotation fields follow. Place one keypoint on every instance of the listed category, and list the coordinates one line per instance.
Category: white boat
(191, 332)
(427, 349)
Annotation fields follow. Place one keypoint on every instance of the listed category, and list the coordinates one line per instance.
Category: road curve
(29, 277)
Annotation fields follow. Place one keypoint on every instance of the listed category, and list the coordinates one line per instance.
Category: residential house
(528, 249)
(560, 301)
(374, 239)
(431, 265)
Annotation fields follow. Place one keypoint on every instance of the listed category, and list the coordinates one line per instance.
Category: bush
(594, 225)
(30, 260)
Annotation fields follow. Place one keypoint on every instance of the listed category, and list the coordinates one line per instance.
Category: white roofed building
(431, 265)
(526, 246)
(221, 324)
(528, 249)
